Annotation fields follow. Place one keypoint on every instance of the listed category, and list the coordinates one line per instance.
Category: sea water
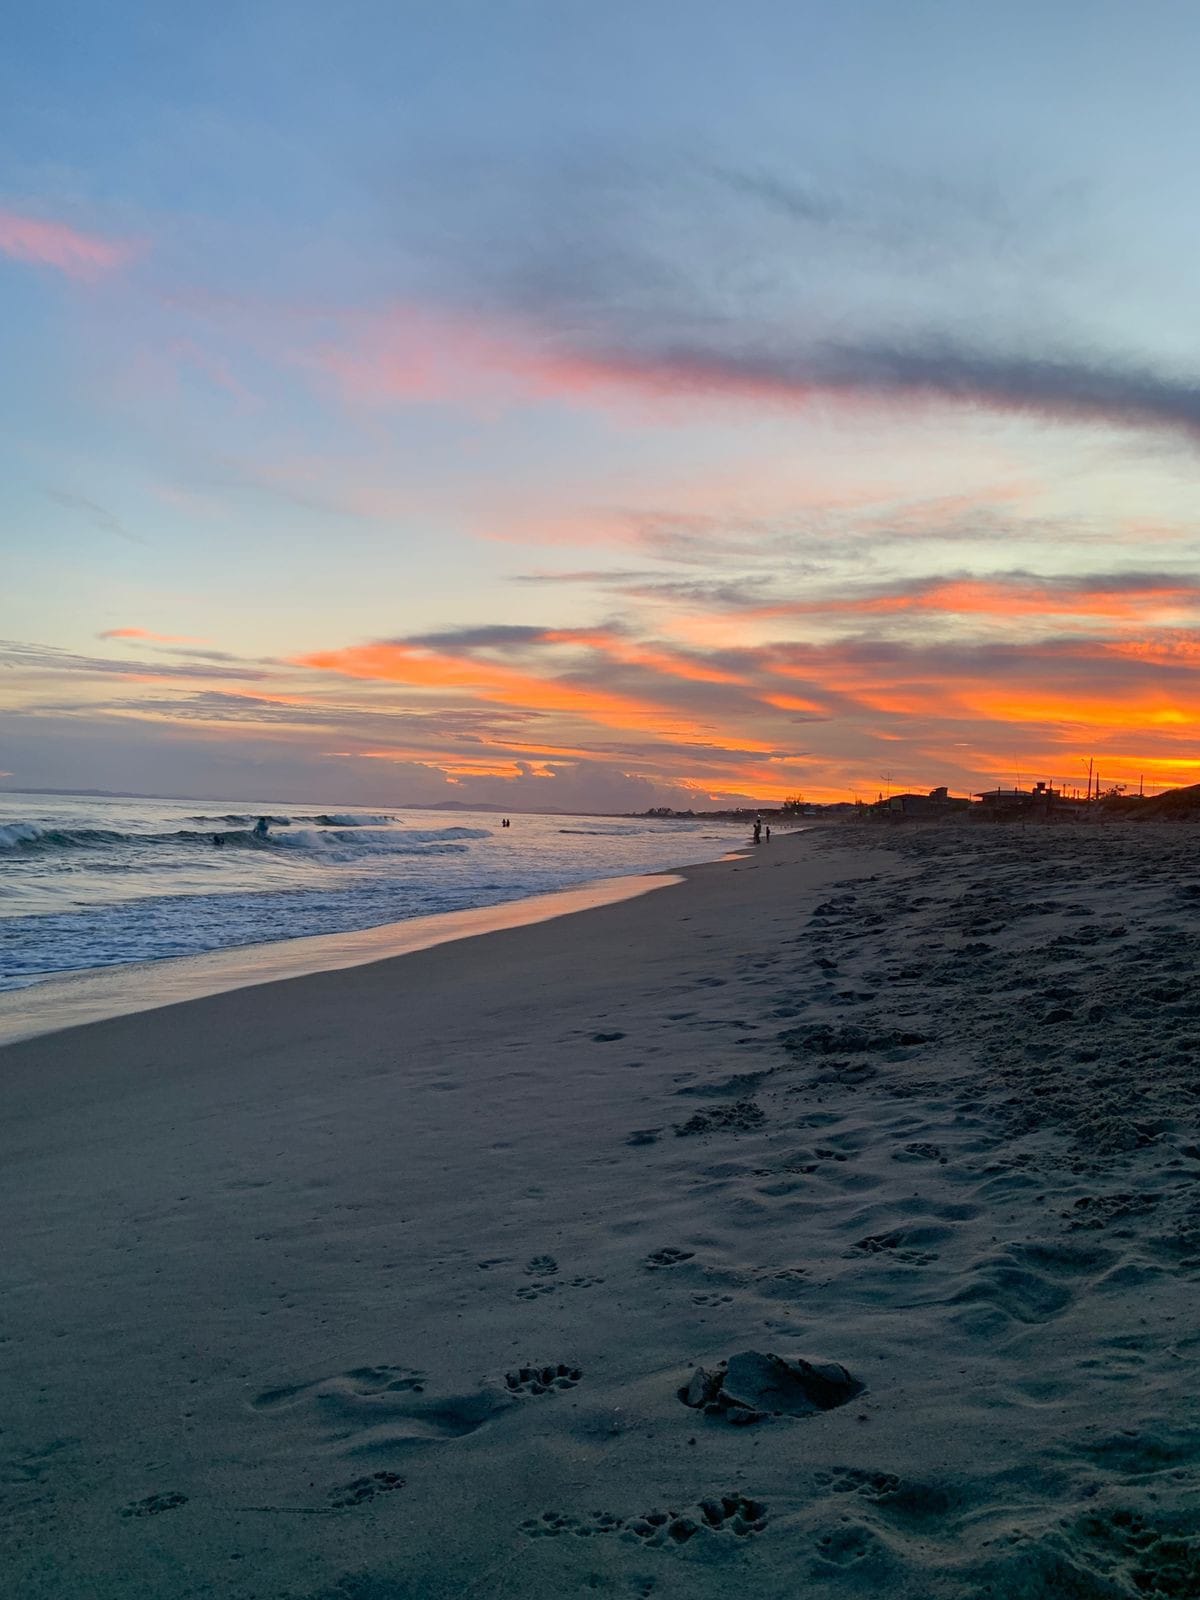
(99, 882)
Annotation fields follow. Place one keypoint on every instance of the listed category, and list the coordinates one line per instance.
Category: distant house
(934, 804)
(1040, 796)
(1008, 798)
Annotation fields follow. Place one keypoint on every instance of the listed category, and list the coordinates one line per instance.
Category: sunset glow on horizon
(521, 428)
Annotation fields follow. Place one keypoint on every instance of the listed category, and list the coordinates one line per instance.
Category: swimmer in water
(218, 839)
(260, 828)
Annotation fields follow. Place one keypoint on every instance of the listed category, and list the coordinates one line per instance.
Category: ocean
(97, 882)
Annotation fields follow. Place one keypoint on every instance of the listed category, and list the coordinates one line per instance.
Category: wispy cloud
(54, 244)
(1061, 388)
(99, 516)
(32, 661)
(147, 636)
(699, 281)
(428, 357)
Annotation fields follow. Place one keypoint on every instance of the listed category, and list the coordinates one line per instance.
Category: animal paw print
(854, 1480)
(667, 1257)
(657, 1527)
(542, 1380)
(585, 1283)
(360, 1490)
(541, 1267)
(729, 1513)
(734, 1513)
(154, 1504)
(552, 1523)
(712, 1299)
(844, 1546)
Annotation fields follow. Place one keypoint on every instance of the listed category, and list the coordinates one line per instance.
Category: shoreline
(286, 1268)
(77, 997)
(89, 895)
(96, 994)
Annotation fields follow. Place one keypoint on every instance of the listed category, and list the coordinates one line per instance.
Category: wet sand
(386, 1283)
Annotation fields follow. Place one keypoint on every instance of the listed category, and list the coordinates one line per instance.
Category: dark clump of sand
(880, 1151)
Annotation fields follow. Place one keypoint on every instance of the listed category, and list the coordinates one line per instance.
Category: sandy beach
(826, 1224)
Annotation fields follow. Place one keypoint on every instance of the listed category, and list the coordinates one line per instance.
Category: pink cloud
(147, 636)
(418, 355)
(412, 354)
(54, 244)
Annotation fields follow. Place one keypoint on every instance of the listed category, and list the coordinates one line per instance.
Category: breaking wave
(338, 819)
(335, 833)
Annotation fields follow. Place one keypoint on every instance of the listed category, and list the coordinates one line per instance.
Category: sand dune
(826, 1225)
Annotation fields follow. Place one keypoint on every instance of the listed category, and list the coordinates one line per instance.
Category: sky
(547, 404)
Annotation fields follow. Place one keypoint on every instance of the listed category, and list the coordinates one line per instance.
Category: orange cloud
(422, 668)
(790, 702)
(1001, 597)
(1112, 710)
(54, 244)
(671, 663)
(935, 702)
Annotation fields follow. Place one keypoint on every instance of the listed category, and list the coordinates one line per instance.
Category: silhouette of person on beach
(757, 829)
(768, 833)
(260, 828)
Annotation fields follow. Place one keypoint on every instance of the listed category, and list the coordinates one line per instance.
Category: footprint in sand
(920, 1151)
(541, 1267)
(358, 1380)
(741, 1116)
(855, 1480)
(535, 1290)
(846, 1544)
(735, 1514)
(389, 1404)
(904, 1502)
(542, 1380)
(360, 1490)
(669, 1256)
(891, 1245)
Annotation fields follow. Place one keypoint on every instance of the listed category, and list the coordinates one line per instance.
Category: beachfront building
(936, 803)
(1042, 797)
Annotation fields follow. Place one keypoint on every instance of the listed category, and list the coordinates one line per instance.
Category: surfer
(218, 839)
(260, 828)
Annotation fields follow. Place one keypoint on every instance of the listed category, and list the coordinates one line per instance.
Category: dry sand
(383, 1284)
